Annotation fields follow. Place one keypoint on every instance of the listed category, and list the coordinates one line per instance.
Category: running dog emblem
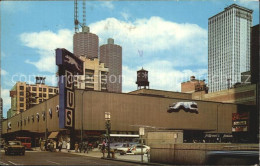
(72, 61)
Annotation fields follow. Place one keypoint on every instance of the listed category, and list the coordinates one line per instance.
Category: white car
(123, 149)
(186, 106)
(137, 149)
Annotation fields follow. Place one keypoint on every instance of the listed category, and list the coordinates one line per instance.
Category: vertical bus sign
(69, 66)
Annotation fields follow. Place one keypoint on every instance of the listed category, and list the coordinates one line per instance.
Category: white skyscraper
(228, 47)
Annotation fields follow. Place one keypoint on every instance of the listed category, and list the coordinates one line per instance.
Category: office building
(94, 77)
(111, 55)
(24, 96)
(255, 54)
(228, 47)
(85, 44)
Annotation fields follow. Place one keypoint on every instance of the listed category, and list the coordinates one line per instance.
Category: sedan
(137, 149)
(14, 147)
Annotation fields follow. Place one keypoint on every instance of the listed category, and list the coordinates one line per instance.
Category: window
(40, 94)
(21, 99)
(51, 90)
(21, 104)
(21, 93)
(44, 95)
(40, 89)
(21, 87)
(44, 89)
(33, 88)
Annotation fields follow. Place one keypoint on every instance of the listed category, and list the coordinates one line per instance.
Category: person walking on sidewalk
(76, 147)
(103, 148)
(68, 146)
(60, 145)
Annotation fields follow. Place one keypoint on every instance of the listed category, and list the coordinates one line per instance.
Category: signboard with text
(240, 122)
(69, 65)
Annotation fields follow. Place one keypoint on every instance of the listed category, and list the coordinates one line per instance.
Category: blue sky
(171, 34)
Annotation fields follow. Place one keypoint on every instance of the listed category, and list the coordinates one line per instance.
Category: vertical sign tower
(69, 65)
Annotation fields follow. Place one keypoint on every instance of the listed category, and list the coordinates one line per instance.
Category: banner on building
(240, 122)
(69, 66)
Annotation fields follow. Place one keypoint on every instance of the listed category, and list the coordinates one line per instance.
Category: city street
(52, 158)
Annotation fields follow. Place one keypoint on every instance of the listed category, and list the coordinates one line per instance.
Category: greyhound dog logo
(72, 61)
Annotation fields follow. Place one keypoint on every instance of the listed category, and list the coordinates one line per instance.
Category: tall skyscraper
(228, 47)
(85, 44)
(111, 55)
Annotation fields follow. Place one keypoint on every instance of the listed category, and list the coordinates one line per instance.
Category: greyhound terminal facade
(75, 114)
(128, 113)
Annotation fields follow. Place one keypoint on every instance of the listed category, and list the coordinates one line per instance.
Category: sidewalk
(96, 153)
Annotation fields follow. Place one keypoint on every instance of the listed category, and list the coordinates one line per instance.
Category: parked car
(186, 106)
(123, 148)
(137, 149)
(14, 147)
(232, 158)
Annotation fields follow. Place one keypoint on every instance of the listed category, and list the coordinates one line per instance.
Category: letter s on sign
(69, 115)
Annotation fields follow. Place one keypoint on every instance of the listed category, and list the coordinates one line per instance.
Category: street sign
(141, 131)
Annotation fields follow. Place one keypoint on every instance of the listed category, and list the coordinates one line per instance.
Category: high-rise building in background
(111, 55)
(24, 96)
(94, 77)
(228, 47)
(85, 44)
(255, 54)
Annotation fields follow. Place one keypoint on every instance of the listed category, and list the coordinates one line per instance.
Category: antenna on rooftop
(76, 16)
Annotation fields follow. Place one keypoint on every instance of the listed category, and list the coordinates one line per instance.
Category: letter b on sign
(68, 118)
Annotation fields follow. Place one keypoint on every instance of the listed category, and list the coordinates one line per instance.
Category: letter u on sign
(70, 99)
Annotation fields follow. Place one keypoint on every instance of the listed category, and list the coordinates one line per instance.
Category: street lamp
(81, 134)
(46, 117)
(108, 127)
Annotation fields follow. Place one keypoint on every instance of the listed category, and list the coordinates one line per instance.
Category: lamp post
(108, 127)
(46, 117)
(141, 133)
(81, 136)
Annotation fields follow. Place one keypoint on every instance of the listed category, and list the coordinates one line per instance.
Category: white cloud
(161, 75)
(186, 42)
(6, 100)
(3, 72)
(108, 4)
(251, 4)
(125, 15)
(45, 42)
(166, 46)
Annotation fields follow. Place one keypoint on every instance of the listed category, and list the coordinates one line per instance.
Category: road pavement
(56, 158)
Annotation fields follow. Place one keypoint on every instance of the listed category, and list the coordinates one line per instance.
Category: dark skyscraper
(255, 54)
(85, 44)
(111, 55)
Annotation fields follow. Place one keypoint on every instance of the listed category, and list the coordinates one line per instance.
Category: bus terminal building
(129, 112)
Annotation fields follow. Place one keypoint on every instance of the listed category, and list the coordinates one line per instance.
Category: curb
(131, 161)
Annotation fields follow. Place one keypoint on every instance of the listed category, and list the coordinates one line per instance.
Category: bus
(26, 142)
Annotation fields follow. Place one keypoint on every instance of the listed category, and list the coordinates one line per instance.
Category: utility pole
(82, 110)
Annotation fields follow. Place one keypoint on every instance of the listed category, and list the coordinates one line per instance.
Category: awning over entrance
(53, 134)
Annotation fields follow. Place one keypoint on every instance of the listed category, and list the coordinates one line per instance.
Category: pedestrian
(54, 145)
(85, 146)
(76, 147)
(60, 145)
(103, 148)
(80, 147)
(42, 145)
(68, 146)
(45, 145)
